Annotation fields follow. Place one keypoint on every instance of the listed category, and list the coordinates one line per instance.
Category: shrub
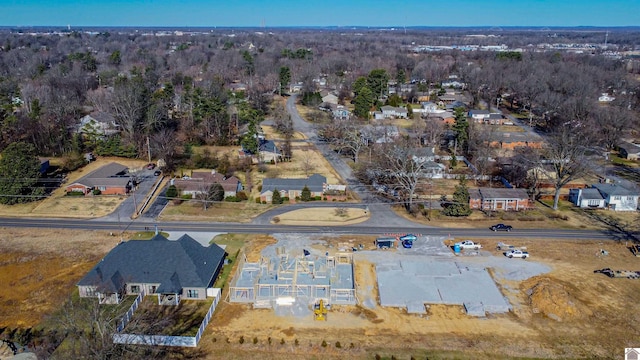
(269, 340)
(231, 199)
(258, 201)
(255, 340)
(285, 199)
(281, 341)
(241, 341)
(186, 196)
(242, 196)
(75, 193)
(172, 192)
(264, 202)
(276, 219)
(338, 345)
(96, 192)
(324, 343)
(318, 198)
(296, 342)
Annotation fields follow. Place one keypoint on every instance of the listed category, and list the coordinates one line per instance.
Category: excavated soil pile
(553, 298)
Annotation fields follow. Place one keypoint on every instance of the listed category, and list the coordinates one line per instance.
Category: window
(616, 197)
(102, 188)
(594, 202)
(192, 293)
(91, 291)
(135, 289)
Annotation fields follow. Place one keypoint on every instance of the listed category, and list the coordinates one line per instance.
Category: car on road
(501, 227)
(151, 166)
(157, 173)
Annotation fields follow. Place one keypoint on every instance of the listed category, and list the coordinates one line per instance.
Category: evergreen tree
(19, 173)
(460, 205)
(363, 102)
(461, 128)
(276, 198)
(216, 192)
(305, 195)
(284, 78)
(172, 192)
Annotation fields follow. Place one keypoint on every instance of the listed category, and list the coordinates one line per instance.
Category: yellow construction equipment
(320, 311)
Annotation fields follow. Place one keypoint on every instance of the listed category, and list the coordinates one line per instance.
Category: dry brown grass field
(562, 314)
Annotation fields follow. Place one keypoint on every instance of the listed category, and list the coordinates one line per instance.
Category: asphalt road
(116, 227)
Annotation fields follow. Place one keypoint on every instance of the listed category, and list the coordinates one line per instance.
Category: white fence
(127, 317)
(163, 340)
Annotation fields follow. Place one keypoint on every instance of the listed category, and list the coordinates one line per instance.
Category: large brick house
(200, 181)
(292, 188)
(499, 199)
(111, 179)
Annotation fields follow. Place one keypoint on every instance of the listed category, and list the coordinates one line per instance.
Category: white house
(617, 197)
(479, 116)
(588, 198)
(390, 112)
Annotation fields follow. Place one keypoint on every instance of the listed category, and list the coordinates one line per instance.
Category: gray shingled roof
(500, 193)
(591, 194)
(172, 264)
(112, 174)
(614, 190)
(314, 182)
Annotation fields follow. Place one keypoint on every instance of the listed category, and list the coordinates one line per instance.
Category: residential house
(431, 169)
(237, 87)
(629, 151)
(479, 115)
(451, 83)
(172, 270)
(442, 116)
(454, 105)
(447, 98)
(379, 134)
(495, 119)
(340, 112)
(98, 123)
(329, 98)
(200, 181)
(391, 112)
(111, 179)
(588, 198)
(295, 87)
(499, 199)
(292, 188)
(268, 152)
(429, 107)
(512, 140)
(618, 198)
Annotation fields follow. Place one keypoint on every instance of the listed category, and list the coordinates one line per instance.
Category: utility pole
(148, 149)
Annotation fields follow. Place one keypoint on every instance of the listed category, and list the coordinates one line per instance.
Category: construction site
(295, 280)
(291, 277)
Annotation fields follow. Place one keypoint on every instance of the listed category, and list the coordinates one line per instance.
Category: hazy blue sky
(320, 13)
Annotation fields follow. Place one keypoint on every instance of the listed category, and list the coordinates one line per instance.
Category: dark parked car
(157, 173)
(501, 227)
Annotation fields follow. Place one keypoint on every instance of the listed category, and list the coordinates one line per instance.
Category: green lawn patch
(233, 243)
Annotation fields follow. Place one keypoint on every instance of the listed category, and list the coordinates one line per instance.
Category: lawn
(224, 211)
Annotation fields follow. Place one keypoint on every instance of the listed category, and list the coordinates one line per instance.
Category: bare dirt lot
(569, 312)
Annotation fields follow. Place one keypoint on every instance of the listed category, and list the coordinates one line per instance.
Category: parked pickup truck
(516, 253)
(468, 244)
